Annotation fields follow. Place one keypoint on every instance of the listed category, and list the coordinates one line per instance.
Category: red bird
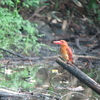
(65, 50)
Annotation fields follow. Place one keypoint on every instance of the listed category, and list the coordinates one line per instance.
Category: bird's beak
(57, 42)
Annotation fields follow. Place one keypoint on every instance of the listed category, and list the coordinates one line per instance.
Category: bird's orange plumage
(65, 50)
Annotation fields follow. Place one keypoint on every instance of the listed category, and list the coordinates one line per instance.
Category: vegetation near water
(19, 78)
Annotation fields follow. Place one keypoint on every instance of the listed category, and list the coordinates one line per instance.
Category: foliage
(25, 3)
(28, 3)
(17, 33)
(94, 7)
(19, 78)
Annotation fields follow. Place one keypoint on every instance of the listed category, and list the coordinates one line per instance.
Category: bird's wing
(70, 53)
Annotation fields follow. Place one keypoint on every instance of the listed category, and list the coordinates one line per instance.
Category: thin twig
(37, 11)
(91, 57)
(12, 53)
(95, 35)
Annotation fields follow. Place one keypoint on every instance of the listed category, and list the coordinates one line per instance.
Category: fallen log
(80, 75)
(8, 93)
(34, 95)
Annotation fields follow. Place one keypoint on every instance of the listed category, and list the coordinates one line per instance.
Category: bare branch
(80, 75)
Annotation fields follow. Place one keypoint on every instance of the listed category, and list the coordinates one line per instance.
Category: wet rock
(57, 28)
(59, 31)
(44, 29)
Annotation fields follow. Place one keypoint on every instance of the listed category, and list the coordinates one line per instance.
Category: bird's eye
(62, 41)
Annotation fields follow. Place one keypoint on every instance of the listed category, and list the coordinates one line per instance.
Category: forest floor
(50, 80)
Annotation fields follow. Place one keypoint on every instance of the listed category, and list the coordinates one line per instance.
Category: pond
(45, 80)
